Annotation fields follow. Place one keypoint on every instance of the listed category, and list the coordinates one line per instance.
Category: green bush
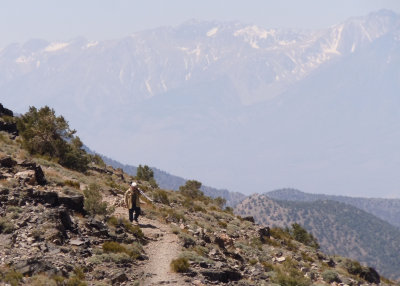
(42, 280)
(114, 247)
(191, 189)
(46, 134)
(288, 274)
(117, 258)
(330, 276)
(113, 221)
(93, 203)
(75, 281)
(135, 230)
(161, 196)
(134, 250)
(6, 226)
(175, 216)
(180, 265)
(352, 266)
(301, 235)
(13, 277)
(220, 202)
(73, 184)
(145, 173)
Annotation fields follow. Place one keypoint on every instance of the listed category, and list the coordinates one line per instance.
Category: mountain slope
(60, 226)
(386, 209)
(298, 102)
(339, 228)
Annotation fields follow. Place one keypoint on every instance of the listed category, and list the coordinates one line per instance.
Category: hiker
(132, 201)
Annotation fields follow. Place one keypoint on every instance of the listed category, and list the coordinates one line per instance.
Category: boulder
(33, 266)
(264, 232)
(8, 127)
(119, 277)
(370, 275)
(45, 197)
(65, 219)
(5, 111)
(223, 275)
(27, 176)
(223, 240)
(7, 162)
(72, 202)
(249, 218)
(38, 175)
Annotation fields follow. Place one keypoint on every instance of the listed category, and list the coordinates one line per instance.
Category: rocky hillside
(339, 228)
(386, 209)
(63, 227)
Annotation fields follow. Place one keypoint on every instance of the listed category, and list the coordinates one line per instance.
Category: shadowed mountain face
(236, 106)
(386, 209)
(339, 228)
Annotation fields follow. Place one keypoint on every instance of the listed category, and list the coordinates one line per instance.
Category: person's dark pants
(135, 210)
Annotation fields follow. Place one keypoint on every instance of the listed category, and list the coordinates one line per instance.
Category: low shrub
(301, 235)
(187, 239)
(253, 261)
(42, 280)
(114, 247)
(117, 258)
(267, 266)
(133, 250)
(73, 184)
(112, 221)
(175, 216)
(330, 276)
(352, 266)
(180, 265)
(161, 196)
(6, 226)
(135, 230)
(222, 224)
(288, 274)
(93, 203)
(12, 277)
(74, 281)
(196, 255)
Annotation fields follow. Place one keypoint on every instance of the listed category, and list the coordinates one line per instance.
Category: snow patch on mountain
(253, 34)
(53, 47)
(212, 32)
(24, 59)
(92, 44)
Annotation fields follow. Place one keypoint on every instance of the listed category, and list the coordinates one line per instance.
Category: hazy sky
(21, 20)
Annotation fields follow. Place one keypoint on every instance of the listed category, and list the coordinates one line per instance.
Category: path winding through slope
(162, 248)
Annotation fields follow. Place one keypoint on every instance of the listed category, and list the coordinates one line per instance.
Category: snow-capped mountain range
(205, 98)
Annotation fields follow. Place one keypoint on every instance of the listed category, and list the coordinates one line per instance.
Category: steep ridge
(340, 228)
(64, 227)
(386, 209)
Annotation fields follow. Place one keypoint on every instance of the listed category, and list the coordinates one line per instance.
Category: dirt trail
(161, 249)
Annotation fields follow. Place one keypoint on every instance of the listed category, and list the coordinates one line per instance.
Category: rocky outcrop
(5, 112)
(5, 125)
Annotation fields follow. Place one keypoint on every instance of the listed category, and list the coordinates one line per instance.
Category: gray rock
(223, 275)
(72, 202)
(7, 162)
(76, 242)
(5, 111)
(264, 232)
(119, 278)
